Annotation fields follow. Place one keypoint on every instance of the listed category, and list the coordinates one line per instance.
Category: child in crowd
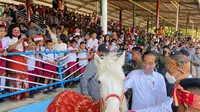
(107, 39)
(40, 48)
(31, 66)
(100, 40)
(52, 59)
(113, 46)
(72, 58)
(61, 46)
(3, 46)
(83, 57)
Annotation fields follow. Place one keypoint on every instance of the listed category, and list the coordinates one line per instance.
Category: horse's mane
(108, 64)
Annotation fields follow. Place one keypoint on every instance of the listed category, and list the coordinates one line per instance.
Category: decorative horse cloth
(70, 101)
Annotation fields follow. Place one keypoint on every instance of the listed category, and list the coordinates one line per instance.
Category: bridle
(120, 98)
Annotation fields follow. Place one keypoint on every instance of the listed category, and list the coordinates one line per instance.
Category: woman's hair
(63, 38)
(12, 26)
(105, 38)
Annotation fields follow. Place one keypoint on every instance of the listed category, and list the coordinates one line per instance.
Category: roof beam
(187, 3)
(167, 6)
(151, 0)
(84, 5)
(149, 5)
(142, 10)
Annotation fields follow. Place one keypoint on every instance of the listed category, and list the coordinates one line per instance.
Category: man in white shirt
(92, 43)
(148, 86)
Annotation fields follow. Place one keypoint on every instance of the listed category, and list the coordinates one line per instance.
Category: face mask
(16, 34)
(113, 43)
(170, 79)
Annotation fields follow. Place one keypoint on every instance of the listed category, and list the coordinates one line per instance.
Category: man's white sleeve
(164, 107)
(128, 83)
(162, 92)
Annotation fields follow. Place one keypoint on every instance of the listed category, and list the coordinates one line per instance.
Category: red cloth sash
(182, 96)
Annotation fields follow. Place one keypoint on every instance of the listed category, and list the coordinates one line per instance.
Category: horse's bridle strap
(113, 95)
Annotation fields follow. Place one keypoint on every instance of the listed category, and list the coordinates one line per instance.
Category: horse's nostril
(99, 81)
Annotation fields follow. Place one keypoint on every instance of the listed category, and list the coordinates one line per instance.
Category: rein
(121, 99)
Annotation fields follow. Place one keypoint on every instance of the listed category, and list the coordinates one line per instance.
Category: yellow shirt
(65, 32)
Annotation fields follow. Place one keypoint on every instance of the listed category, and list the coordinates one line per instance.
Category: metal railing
(61, 81)
(40, 19)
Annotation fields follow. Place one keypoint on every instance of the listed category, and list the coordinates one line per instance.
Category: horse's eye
(99, 81)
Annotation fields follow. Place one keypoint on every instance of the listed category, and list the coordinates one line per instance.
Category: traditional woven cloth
(182, 96)
(70, 101)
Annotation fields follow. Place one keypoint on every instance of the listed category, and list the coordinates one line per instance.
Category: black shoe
(72, 86)
(66, 85)
(45, 91)
(1, 100)
(77, 82)
(31, 95)
(52, 89)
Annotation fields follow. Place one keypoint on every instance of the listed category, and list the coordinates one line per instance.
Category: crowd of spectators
(80, 34)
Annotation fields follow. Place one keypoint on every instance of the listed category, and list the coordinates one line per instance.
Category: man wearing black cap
(88, 84)
(177, 68)
(185, 53)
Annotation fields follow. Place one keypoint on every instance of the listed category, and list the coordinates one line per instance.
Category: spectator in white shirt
(31, 68)
(148, 86)
(83, 57)
(113, 46)
(77, 39)
(53, 34)
(4, 43)
(72, 60)
(52, 60)
(40, 48)
(58, 31)
(92, 43)
(61, 46)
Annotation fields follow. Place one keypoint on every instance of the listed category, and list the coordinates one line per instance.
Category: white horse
(111, 78)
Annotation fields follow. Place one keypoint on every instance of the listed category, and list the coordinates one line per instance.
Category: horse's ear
(97, 59)
(121, 59)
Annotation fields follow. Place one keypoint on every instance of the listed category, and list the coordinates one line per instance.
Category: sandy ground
(7, 105)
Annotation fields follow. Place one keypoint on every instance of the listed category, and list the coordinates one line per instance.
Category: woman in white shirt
(17, 44)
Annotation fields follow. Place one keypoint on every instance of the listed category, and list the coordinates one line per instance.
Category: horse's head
(111, 78)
